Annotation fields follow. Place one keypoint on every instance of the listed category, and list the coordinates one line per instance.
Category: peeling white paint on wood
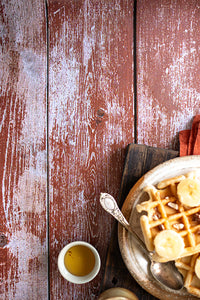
(91, 104)
(30, 194)
(23, 177)
(168, 66)
(27, 255)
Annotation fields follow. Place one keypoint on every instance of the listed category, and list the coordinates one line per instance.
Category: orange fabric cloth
(189, 140)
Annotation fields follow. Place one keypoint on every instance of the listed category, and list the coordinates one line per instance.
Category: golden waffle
(165, 212)
(186, 266)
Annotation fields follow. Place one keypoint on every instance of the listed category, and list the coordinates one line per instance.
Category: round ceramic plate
(135, 260)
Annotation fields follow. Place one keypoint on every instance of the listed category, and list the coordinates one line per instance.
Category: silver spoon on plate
(165, 273)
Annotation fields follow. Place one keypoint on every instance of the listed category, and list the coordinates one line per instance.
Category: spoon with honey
(165, 273)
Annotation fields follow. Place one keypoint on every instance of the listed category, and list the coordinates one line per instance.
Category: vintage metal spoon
(165, 273)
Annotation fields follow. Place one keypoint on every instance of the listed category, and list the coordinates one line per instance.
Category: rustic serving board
(139, 160)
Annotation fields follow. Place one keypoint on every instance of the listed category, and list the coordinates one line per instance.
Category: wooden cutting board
(139, 160)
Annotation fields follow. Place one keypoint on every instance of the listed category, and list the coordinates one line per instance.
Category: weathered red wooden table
(79, 81)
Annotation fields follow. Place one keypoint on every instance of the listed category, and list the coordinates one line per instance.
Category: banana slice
(169, 244)
(197, 267)
(188, 191)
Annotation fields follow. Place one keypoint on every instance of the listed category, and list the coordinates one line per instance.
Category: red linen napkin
(189, 140)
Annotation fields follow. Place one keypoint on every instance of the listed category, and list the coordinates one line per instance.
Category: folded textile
(189, 140)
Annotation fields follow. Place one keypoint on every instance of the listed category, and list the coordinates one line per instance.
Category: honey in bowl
(79, 260)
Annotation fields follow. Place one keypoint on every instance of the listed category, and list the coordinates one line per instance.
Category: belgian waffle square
(164, 211)
(186, 266)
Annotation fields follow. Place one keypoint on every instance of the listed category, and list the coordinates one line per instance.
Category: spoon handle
(110, 205)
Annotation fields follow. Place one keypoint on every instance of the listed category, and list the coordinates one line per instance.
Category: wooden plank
(168, 67)
(91, 120)
(139, 160)
(23, 238)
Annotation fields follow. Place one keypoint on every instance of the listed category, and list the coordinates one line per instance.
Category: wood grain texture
(23, 239)
(91, 120)
(139, 160)
(85, 120)
(168, 68)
